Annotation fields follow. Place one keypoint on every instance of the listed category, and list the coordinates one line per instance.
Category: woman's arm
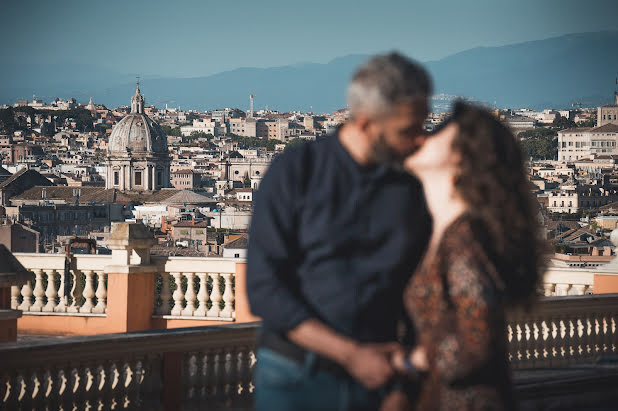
(468, 337)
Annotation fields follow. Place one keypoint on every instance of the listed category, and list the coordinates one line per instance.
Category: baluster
(215, 296)
(38, 291)
(178, 294)
(191, 374)
(136, 394)
(190, 295)
(202, 296)
(243, 372)
(217, 374)
(51, 292)
(164, 308)
(88, 293)
(562, 289)
(209, 377)
(231, 376)
(101, 294)
(33, 395)
(26, 293)
(62, 305)
(202, 381)
(14, 297)
(228, 297)
(76, 292)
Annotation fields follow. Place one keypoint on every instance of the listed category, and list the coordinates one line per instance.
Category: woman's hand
(418, 359)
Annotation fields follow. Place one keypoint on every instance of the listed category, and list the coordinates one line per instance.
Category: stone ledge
(10, 314)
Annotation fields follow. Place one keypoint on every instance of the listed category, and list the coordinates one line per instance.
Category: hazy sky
(193, 38)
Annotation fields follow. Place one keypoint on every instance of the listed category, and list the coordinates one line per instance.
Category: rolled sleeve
(272, 283)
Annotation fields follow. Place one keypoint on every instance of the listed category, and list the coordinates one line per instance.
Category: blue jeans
(284, 384)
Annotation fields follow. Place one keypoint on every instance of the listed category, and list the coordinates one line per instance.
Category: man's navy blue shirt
(335, 241)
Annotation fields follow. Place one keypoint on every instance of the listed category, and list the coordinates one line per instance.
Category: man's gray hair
(386, 80)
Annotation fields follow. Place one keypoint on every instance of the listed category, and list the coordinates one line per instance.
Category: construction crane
(251, 97)
(579, 104)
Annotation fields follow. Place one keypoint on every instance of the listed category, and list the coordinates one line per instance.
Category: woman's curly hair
(493, 181)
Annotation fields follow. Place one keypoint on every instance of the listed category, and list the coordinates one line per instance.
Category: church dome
(137, 133)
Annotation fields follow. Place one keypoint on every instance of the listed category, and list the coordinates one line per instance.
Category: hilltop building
(608, 114)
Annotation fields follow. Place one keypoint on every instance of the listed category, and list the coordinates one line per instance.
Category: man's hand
(370, 364)
(396, 401)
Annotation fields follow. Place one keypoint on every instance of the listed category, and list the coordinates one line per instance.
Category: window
(116, 178)
(236, 255)
(138, 178)
(159, 178)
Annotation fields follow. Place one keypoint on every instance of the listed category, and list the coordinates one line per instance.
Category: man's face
(398, 134)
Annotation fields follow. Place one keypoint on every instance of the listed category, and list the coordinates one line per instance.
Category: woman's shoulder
(464, 234)
(466, 251)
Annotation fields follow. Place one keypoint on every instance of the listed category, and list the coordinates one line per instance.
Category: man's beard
(385, 154)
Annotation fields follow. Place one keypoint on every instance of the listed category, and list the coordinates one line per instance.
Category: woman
(484, 254)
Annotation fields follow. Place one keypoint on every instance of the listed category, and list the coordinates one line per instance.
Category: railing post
(130, 278)
(241, 306)
(12, 273)
(171, 384)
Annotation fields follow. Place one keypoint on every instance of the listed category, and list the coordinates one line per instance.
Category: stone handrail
(153, 370)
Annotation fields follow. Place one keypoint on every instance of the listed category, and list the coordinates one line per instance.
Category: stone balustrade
(45, 292)
(560, 331)
(187, 291)
(192, 288)
(566, 281)
(211, 367)
(162, 370)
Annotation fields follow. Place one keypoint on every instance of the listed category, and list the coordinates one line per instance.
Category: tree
(539, 143)
(589, 123)
(175, 131)
(562, 123)
(539, 148)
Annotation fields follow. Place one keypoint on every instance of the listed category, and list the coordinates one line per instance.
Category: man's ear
(363, 122)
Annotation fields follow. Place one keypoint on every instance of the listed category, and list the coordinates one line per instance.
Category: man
(337, 230)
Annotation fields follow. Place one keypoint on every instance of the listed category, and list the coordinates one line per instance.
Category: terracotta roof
(176, 251)
(185, 197)
(16, 176)
(100, 194)
(575, 130)
(240, 242)
(190, 223)
(606, 128)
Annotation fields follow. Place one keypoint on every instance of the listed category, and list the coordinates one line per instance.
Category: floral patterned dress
(456, 302)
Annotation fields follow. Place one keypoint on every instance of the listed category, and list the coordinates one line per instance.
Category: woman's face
(436, 154)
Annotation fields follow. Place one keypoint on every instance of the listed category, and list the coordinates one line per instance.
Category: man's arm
(368, 363)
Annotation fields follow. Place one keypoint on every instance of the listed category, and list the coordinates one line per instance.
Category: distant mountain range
(555, 72)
